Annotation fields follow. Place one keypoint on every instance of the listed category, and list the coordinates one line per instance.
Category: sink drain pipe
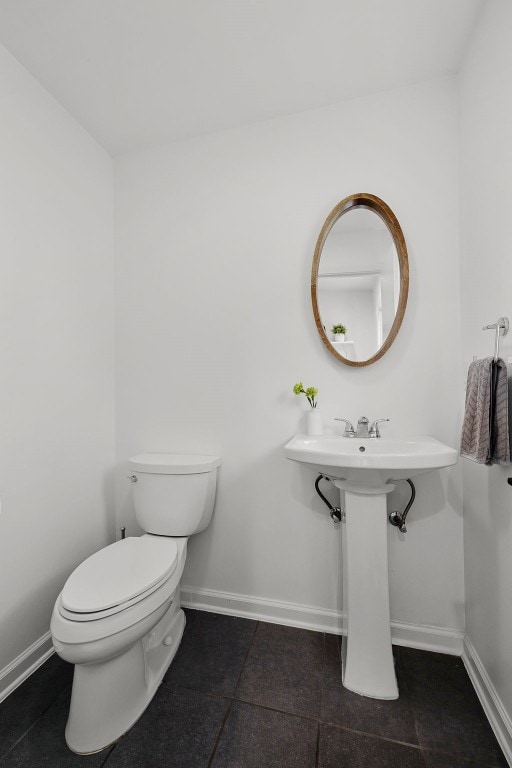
(335, 512)
(395, 518)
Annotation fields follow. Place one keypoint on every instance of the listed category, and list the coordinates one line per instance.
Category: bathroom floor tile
(284, 670)
(28, 702)
(248, 693)
(449, 717)
(212, 653)
(179, 729)
(44, 744)
(438, 760)
(254, 737)
(391, 719)
(441, 728)
(426, 671)
(190, 616)
(340, 748)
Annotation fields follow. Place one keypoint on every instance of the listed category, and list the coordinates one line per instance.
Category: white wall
(56, 352)
(486, 290)
(214, 244)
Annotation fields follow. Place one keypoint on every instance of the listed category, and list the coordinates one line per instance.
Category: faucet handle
(349, 429)
(374, 429)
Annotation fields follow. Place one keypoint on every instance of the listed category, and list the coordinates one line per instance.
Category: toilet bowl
(118, 617)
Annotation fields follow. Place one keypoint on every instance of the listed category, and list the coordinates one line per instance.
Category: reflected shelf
(346, 348)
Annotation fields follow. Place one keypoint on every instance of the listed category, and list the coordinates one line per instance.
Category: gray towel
(485, 434)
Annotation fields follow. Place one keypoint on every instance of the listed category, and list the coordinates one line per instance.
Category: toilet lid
(119, 573)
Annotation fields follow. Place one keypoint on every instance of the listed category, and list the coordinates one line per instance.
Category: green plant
(338, 329)
(310, 392)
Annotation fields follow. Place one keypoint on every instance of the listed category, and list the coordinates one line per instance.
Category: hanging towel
(485, 433)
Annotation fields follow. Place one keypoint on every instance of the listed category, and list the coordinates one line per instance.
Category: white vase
(314, 425)
(339, 337)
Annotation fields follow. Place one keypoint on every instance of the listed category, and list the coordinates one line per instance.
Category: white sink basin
(370, 461)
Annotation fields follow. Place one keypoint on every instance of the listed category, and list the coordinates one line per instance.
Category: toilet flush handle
(132, 478)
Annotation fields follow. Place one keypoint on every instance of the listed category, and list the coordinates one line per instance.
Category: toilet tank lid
(173, 463)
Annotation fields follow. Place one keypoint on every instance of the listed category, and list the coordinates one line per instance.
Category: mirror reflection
(359, 283)
(360, 278)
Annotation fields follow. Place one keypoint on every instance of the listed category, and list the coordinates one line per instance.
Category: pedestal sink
(365, 470)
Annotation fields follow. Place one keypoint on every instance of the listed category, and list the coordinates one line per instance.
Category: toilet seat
(96, 635)
(118, 577)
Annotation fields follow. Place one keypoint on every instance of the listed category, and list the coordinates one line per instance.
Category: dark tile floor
(247, 694)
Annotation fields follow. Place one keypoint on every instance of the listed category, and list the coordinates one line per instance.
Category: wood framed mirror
(360, 279)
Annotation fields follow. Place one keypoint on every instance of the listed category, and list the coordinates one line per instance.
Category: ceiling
(140, 72)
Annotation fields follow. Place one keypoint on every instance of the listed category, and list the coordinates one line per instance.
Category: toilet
(118, 618)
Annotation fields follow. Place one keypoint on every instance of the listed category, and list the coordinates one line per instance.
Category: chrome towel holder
(501, 327)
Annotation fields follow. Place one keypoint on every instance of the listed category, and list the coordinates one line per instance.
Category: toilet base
(109, 697)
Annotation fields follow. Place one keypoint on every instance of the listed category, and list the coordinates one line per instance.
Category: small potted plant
(339, 332)
(314, 424)
(310, 392)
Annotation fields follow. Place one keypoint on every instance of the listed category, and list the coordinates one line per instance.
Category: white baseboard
(15, 673)
(428, 638)
(261, 609)
(491, 702)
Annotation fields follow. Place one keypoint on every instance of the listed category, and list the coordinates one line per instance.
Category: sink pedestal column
(367, 654)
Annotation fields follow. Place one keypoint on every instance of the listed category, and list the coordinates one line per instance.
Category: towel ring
(500, 326)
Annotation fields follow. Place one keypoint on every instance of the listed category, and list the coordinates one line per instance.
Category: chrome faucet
(363, 430)
(349, 429)
(374, 430)
(362, 427)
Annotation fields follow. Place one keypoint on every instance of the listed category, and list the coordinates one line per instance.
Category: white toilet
(118, 618)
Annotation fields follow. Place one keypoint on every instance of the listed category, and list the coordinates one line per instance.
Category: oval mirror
(360, 279)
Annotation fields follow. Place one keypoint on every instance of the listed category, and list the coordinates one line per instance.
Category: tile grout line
(219, 735)
(300, 716)
(376, 736)
(110, 751)
(281, 711)
(423, 758)
(33, 724)
(25, 733)
(231, 699)
(322, 686)
(245, 660)
(411, 705)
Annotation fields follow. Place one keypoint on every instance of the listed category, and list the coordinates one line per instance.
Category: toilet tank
(173, 493)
